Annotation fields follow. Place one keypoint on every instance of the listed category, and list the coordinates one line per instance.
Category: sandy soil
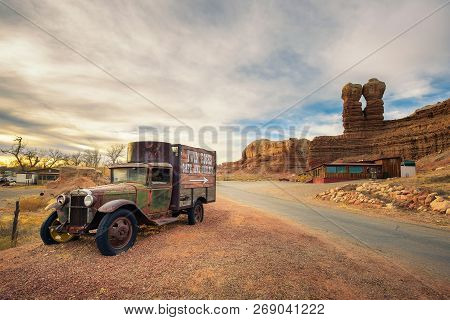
(236, 253)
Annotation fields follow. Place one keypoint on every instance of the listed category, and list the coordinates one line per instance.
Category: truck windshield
(138, 175)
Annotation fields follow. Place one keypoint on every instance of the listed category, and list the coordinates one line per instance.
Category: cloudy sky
(216, 65)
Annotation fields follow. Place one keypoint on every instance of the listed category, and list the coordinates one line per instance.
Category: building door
(373, 173)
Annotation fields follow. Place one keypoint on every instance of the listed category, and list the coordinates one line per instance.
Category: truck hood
(106, 193)
(120, 188)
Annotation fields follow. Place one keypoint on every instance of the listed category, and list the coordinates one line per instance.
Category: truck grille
(78, 212)
(77, 201)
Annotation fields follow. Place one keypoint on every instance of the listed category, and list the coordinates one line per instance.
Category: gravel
(236, 253)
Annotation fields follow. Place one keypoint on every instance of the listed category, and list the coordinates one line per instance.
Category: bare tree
(114, 153)
(53, 156)
(92, 158)
(32, 156)
(17, 151)
(75, 158)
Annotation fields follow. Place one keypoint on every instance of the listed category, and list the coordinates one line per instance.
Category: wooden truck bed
(194, 176)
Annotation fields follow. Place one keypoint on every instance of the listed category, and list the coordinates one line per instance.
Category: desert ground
(238, 252)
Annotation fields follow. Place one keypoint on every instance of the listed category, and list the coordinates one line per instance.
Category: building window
(331, 169)
(355, 169)
(341, 169)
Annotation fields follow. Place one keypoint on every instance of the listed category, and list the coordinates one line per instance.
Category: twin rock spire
(353, 116)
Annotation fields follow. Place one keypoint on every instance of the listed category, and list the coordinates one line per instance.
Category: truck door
(161, 189)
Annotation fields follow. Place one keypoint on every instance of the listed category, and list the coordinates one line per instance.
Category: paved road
(425, 247)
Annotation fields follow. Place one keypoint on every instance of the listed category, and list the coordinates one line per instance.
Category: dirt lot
(237, 253)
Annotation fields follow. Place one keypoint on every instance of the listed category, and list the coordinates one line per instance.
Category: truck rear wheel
(116, 232)
(195, 215)
(48, 233)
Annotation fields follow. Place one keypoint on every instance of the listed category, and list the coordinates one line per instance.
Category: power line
(359, 62)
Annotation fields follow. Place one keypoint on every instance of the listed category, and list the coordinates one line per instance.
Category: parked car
(159, 182)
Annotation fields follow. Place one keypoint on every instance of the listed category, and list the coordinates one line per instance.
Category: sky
(217, 70)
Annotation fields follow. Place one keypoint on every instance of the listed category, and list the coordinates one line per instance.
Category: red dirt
(236, 253)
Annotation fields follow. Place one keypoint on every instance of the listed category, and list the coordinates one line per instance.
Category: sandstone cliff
(265, 156)
(366, 136)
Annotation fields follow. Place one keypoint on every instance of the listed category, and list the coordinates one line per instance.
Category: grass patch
(33, 203)
(29, 225)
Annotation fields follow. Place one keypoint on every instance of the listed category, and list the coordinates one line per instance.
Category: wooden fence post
(15, 231)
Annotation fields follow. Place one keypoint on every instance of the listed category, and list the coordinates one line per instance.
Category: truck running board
(165, 220)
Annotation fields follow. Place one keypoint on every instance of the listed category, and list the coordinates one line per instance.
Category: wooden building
(381, 168)
(40, 176)
(46, 175)
(390, 166)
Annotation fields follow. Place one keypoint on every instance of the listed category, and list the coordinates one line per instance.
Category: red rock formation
(366, 136)
(424, 132)
(373, 112)
(352, 114)
(265, 156)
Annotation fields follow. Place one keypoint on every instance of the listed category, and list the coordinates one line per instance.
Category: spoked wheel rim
(120, 232)
(198, 214)
(57, 236)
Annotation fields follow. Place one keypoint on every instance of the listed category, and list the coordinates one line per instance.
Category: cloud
(209, 63)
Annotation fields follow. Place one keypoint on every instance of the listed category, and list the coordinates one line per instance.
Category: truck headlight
(89, 200)
(61, 199)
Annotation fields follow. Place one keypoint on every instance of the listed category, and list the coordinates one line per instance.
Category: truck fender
(113, 205)
(54, 205)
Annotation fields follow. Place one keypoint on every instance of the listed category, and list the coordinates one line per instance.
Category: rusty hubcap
(198, 213)
(119, 233)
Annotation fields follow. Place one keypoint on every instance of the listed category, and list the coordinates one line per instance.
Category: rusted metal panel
(149, 151)
(199, 193)
(211, 194)
(185, 197)
(160, 200)
(113, 205)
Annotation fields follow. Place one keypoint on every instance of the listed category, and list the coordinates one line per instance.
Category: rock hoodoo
(374, 111)
(352, 114)
(371, 118)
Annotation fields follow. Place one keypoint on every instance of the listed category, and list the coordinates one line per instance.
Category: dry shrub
(29, 224)
(304, 178)
(33, 203)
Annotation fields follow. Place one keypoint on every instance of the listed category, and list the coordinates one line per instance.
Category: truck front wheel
(116, 232)
(195, 215)
(48, 232)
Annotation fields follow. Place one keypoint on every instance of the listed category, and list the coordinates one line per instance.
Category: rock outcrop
(366, 136)
(374, 111)
(424, 132)
(352, 114)
(266, 156)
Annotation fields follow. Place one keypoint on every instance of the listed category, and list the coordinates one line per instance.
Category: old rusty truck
(159, 182)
